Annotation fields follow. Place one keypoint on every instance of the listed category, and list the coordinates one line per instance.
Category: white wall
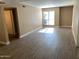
(29, 19)
(3, 31)
(75, 23)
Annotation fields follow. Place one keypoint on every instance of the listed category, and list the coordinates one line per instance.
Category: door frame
(15, 19)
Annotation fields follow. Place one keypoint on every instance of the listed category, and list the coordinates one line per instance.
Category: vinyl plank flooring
(46, 43)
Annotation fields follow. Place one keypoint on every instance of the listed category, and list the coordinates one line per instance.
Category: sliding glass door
(49, 18)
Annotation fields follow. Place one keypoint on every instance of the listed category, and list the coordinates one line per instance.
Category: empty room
(39, 29)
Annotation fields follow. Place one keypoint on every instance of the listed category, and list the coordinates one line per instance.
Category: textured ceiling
(46, 3)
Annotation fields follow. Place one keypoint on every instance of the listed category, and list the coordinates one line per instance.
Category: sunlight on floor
(48, 37)
(46, 30)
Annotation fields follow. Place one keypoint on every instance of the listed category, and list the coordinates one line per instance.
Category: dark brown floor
(55, 43)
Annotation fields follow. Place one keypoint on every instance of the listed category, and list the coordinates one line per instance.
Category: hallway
(46, 43)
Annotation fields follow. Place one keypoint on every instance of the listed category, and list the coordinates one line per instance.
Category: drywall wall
(29, 18)
(66, 14)
(3, 31)
(75, 23)
(56, 14)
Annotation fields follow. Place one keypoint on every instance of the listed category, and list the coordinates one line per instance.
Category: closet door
(9, 21)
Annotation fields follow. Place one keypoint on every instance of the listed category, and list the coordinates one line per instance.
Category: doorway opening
(11, 20)
(48, 18)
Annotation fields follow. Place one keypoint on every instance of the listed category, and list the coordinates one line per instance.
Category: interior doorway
(48, 18)
(11, 20)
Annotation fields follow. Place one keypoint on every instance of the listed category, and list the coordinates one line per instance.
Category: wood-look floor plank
(46, 43)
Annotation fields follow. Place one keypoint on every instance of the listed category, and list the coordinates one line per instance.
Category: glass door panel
(45, 18)
(49, 18)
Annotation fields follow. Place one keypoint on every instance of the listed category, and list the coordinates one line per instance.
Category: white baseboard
(30, 32)
(66, 26)
(4, 43)
(60, 26)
